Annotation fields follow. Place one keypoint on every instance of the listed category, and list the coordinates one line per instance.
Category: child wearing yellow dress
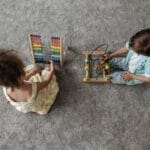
(28, 89)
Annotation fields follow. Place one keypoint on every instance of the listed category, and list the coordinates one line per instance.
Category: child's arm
(118, 53)
(31, 72)
(48, 77)
(130, 76)
(142, 78)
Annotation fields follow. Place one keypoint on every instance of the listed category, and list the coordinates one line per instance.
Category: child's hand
(127, 76)
(48, 73)
(107, 57)
(29, 72)
(49, 70)
(52, 67)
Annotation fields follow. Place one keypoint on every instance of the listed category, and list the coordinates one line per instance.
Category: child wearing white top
(132, 62)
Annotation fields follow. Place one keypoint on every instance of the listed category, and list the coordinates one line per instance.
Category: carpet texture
(84, 116)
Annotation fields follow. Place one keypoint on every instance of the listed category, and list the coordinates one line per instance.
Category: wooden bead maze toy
(97, 70)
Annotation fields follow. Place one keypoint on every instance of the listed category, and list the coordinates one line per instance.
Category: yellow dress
(39, 102)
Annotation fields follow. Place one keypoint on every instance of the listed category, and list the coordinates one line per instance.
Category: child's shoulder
(22, 94)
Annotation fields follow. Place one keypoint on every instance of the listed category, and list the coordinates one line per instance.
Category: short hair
(11, 68)
(145, 41)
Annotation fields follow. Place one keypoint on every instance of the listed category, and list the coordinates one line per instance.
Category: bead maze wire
(97, 60)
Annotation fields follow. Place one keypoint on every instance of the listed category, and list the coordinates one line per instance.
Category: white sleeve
(147, 75)
(127, 45)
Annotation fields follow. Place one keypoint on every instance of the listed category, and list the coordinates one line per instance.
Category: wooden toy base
(98, 80)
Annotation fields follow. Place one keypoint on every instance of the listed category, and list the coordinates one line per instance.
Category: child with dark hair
(133, 61)
(29, 89)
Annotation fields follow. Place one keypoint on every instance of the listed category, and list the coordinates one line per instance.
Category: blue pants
(118, 69)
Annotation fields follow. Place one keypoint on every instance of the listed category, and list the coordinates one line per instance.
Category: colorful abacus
(40, 55)
(56, 50)
(36, 47)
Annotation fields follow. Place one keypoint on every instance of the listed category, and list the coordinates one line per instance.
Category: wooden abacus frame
(61, 49)
(88, 78)
(61, 53)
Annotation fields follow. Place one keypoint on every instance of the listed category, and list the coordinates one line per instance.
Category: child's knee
(116, 78)
(118, 63)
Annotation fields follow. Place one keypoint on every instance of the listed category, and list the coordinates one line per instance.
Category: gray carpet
(84, 117)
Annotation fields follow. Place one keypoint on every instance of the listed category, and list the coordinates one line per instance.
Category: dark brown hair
(144, 44)
(11, 68)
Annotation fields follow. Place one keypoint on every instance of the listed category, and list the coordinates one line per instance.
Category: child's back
(21, 94)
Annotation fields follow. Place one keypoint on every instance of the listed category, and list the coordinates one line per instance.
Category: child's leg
(116, 78)
(118, 64)
(120, 67)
